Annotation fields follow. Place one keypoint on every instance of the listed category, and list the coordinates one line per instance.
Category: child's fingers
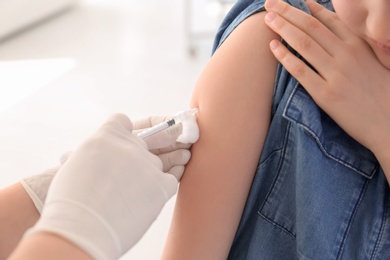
(304, 44)
(305, 23)
(312, 81)
(329, 19)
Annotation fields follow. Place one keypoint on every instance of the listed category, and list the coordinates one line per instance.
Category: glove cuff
(81, 226)
(37, 186)
(35, 199)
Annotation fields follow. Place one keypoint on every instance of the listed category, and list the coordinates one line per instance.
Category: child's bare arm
(234, 95)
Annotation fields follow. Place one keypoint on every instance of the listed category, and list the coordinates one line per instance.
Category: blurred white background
(60, 79)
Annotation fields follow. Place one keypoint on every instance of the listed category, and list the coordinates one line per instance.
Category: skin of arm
(46, 245)
(17, 214)
(234, 95)
(384, 160)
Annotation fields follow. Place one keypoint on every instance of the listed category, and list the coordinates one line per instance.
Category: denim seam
(262, 161)
(319, 143)
(273, 185)
(276, 225)
(346, 164)
(346, 232)
(380, 235)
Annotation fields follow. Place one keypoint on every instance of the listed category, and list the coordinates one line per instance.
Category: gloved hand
(173, 155)
(108, 193)
(164, 144)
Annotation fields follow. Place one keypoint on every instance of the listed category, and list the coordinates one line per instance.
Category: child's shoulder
(240, 11)
(243, 9)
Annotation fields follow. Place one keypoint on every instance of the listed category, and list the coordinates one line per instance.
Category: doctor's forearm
(46, 245)
(17, 214)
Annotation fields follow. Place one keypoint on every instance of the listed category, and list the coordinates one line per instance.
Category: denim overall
(317, 193)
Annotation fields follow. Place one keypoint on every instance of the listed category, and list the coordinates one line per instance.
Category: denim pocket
(320, 176)
(332, 140)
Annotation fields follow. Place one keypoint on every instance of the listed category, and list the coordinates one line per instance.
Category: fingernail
(270, 3)
(269, 17)
(274, 45)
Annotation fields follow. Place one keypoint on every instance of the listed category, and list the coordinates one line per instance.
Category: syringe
(180, 117)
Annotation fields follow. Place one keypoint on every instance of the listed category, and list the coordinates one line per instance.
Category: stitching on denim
(318, 141)
(284, 148)
(346, 164)
(276, 224)
(342, 244)
(382, 229)
(270, 155)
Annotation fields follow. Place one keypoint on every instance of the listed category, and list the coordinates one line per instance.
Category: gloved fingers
(171, 148)
(177, 137)
(120, 125)
(169, 181)
(175, 158)
(189, 134)
(165, 138)
(120, 119)
(65, 157)
(155, 160)
(144, 123)
(177, 171)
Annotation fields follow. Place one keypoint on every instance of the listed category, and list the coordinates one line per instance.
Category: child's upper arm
(234, 95)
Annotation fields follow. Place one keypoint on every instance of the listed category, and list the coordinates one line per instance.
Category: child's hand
(348, 82)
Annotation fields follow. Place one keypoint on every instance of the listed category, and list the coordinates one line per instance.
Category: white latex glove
(165, 139)
(165, 145)
(173, 155)
(37, 185)
(108, 193)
